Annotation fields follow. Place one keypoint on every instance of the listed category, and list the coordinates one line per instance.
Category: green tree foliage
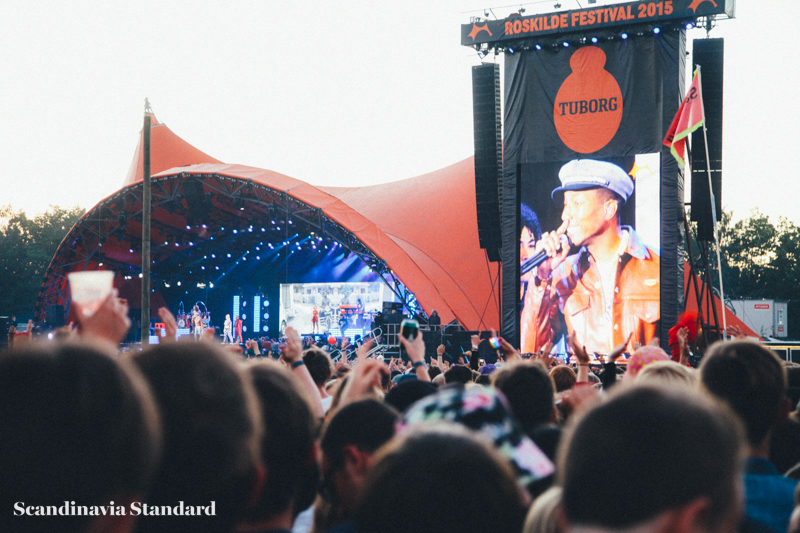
(760, 260)
(26, 247)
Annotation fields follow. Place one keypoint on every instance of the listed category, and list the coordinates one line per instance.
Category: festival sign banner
(590, 18)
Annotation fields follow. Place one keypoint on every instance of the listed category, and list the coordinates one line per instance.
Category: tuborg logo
(696, 3)
(477, 29)
(588, 107)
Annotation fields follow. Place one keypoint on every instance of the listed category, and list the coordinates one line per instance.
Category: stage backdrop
(611, 101)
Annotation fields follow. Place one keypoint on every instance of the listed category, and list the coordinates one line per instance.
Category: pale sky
(347, 94)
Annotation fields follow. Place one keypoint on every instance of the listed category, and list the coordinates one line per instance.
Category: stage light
(213, 256)
(624, 36)
(191, 243)
(250, 229)
(566, 44)
(656, 30)
(273, 222)
(166, 243)
(258, 258)
(690, 25)
(140, 275)
(256, 317)
(229, 255)
(217, 268)
(176, 244)
(278, 228)
(210, 285)
(222, 229)
(204, 226)
(265, 329)
(511, 51)
(179, 284)
(236, 306)
(131, 250)
(188, 227)
(595, 39)
(166, 284)
(290, 221)
(99, 264)
(262, 229)
(236, 231)
(202, 268)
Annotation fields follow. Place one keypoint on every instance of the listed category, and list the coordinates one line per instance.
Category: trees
(760, 260)
(26, 247)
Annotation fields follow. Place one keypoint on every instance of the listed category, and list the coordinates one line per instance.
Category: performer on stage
(197, 322)
(227, 335)
(314, 320)
(237, 338)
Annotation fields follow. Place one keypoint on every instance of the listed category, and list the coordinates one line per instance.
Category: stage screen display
(606, 286)
(332, 308)
(583, 157)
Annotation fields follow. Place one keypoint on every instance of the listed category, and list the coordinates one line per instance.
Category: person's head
(212, 433)
(287, 447)
(543, 514)
(348, 444)
(404, 394)
(227, 317)
(319, 365)
(592, 209)
(751, 380)
(563, 377)
(667, 372)
(77, 426)
(643, 357)
(531, 232)
(652, 457)
(529, 390)
(458, 374)
(468, 487)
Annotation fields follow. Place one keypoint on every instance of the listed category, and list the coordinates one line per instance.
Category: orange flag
(689, 118)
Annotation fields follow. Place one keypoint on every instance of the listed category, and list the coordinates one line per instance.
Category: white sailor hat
(582, 174)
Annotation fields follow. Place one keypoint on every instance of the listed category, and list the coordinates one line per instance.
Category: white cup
(90, 288)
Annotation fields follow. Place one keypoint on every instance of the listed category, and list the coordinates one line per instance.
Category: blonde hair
(543, 514)
(668, 372)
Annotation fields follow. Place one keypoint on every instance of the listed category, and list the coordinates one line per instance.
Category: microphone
(539, 257)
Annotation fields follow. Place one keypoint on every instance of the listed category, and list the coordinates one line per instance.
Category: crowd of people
(193, 436)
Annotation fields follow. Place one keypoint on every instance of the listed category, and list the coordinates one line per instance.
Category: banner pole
(146, 208)
(713, 211)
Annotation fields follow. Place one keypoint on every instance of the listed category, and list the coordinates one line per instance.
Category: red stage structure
(419, 234)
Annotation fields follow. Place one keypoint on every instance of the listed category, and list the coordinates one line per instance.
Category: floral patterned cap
(643, 357)
(485, 411)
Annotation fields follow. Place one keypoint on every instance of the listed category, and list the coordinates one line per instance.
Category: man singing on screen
(610, 288)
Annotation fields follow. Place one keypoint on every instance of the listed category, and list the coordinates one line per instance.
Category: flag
(689, 118)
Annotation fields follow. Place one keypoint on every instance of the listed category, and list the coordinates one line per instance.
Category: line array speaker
(487, 128)
(708, 53)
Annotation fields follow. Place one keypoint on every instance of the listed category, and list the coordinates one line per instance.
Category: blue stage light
(656, 30)
(510, 50)
(690, 25)
(566, 44)
(213, 256)
(229, 255)
(595, 39)
(236, 231)
(538, 46)
(256, 316)
(624, 36)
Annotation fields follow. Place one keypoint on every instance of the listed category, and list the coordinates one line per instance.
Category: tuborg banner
(609, 102)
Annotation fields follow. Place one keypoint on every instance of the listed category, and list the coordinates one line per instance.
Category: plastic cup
(90, 288)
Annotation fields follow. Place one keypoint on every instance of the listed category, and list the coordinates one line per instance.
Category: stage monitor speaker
(708, 53)
(196, 201)
(488, 155)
